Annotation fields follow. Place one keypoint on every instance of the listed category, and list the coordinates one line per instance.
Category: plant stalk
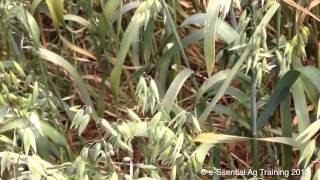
(215, 153)
(286, 150)
(254, 144)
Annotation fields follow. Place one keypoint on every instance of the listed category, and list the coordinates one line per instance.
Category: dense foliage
(158, 89)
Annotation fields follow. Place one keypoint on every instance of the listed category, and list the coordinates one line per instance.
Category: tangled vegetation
(159, 89)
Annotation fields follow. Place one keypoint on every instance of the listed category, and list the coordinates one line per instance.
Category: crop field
(159, 89)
